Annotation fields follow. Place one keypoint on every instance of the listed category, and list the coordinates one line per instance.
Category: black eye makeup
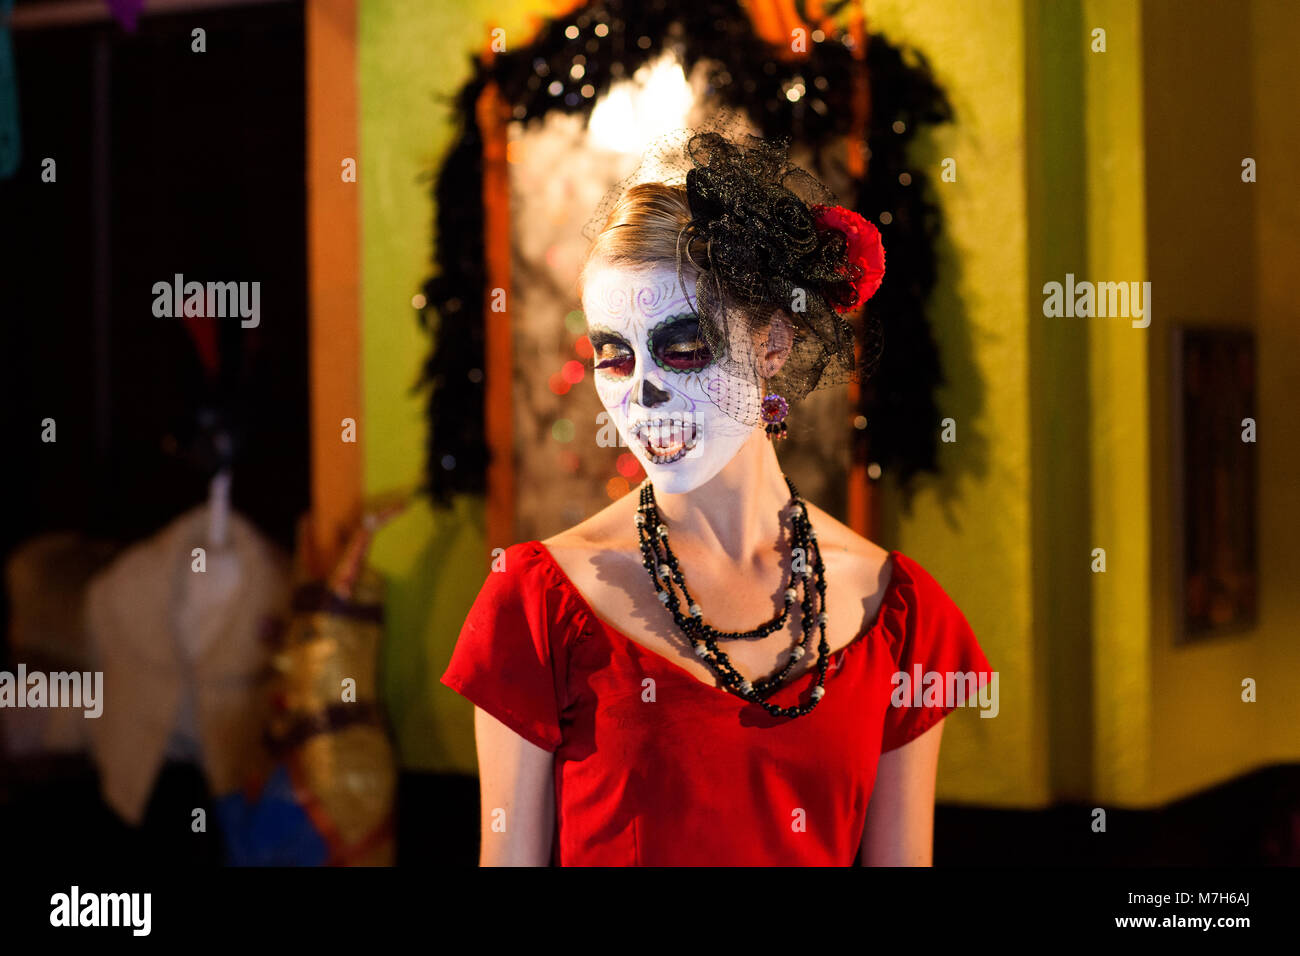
(678, 345)
(611, 353)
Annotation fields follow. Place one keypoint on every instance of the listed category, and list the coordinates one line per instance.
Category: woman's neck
(737, 512)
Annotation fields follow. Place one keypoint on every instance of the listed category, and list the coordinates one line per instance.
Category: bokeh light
(575, 322)
(562, 430)
(617, 487)
(572, 372)
(628, 466)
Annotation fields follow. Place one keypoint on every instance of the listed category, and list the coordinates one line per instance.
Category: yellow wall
(1119, 420)
(1275, 36)
(1058, 381)
(1223, 252)
(1128, 163)
(971, 529)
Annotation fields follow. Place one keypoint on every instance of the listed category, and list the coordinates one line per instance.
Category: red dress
(654, 767)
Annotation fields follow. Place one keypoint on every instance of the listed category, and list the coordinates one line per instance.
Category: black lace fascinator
(766, 241)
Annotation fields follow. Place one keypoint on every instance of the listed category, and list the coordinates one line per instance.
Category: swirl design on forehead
(613, 298)
(647, 300)
(656, 298)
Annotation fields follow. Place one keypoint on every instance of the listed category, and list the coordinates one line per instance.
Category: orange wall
(333, 268)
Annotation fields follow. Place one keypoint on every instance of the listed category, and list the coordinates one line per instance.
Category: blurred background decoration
(377, 166)
(547, 127)
(330, 797)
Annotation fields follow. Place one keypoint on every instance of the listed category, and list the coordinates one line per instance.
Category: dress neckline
(889, 593)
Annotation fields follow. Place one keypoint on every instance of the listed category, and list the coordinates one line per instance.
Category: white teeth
(666, 439)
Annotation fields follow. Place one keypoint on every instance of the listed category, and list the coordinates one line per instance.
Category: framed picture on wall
(1215, 481)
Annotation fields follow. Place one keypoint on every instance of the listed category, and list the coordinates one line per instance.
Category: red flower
(866, 251)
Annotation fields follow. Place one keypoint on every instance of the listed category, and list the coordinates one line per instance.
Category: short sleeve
(939, 663)
(505, 660)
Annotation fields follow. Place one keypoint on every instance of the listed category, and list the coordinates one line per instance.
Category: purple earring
(775, 408)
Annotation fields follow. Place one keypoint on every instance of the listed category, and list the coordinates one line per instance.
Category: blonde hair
(642, 230)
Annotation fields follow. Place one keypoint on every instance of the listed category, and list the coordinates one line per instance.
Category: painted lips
(665, 440)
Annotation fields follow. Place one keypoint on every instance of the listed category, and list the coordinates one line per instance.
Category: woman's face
(655, 376)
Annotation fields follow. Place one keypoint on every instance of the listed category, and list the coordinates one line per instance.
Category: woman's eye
(680, 346)
(686, 355)
(614, 360)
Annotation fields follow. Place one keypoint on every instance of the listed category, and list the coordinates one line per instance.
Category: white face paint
(654, 376)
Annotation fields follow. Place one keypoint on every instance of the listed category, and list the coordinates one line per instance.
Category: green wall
(412, 57)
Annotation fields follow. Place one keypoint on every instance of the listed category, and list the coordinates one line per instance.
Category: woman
(701, 673)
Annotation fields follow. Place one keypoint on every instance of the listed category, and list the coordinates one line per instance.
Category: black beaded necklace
(662, 565)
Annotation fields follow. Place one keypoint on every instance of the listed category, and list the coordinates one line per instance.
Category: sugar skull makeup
(655, 376)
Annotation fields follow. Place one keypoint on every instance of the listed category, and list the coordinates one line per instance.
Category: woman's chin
(686, 473)
(674, 470)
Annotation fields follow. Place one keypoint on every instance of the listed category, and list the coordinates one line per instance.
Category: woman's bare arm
(900, 819)
(516, 787)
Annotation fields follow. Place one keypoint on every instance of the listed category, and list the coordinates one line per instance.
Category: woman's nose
(652, 394)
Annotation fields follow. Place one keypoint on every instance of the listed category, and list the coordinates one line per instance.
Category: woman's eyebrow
(603, 333)
(669, 319)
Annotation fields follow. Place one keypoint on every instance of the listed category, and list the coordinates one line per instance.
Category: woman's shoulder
(929, 592)
(514, 573)
(910, 592)
(609, 530)
(524, 585)
(856, 554)
(923, 605)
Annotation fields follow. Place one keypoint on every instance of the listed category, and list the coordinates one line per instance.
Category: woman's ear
(779, 341)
